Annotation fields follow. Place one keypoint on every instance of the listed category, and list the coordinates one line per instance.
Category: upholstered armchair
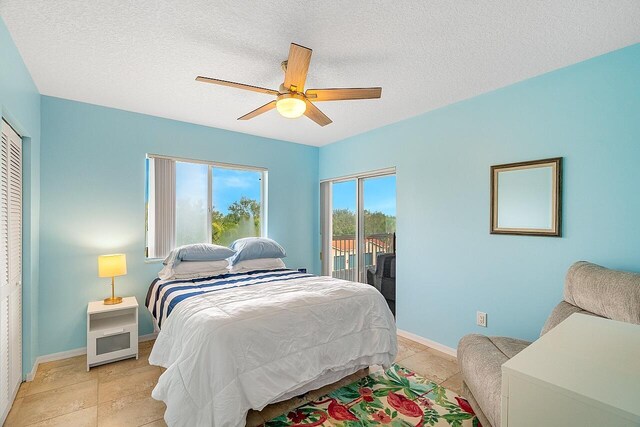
(383, 277)
(589, 289)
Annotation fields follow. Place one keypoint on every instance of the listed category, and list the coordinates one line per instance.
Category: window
(190, 201)
(237, 204)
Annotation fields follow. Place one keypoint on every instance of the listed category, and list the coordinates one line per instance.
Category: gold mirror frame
(556, 194)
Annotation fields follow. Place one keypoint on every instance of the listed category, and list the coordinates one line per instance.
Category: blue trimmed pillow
(255, 248)
(198, 252)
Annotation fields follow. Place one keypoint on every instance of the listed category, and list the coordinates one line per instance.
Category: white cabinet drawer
(112, 344)
(113, 331)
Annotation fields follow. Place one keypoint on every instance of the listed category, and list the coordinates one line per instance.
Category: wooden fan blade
(297, 67)
(266, 107)
(316, 115)
(342, 94)
(237, 85)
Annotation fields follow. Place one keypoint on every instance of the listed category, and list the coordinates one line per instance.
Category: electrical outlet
(481, 318)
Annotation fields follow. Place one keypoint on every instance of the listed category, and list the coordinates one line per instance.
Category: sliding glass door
(344, 229)
(378, 220)
(359, 219)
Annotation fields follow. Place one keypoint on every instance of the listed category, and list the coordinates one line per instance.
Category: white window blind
(10, 266)
(162, 207)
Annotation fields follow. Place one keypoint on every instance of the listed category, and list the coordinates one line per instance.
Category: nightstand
(112, 331)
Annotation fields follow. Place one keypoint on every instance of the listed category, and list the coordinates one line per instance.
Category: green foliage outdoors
(344, 223)
(242, 220)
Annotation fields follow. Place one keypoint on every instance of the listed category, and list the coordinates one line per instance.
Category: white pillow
(194, 269)
(257, 264)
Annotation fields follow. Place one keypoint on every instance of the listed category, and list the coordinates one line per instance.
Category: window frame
(213, 164)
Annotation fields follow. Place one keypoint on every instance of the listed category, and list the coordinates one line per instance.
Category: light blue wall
(20, 106)
(449, 265)
(90, 190)
(93, 203)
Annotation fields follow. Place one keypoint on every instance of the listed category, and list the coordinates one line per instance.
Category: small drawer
(111, 344)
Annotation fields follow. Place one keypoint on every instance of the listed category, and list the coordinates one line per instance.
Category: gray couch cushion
(561, 312)
(480, 359)
(607, 293)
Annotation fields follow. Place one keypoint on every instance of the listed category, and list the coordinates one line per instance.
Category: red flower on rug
(340, 412)
(366, 393)
(381, 417)
(425, 402)
(403, 405)
(464, 405)
(297, 416)
(395, 396)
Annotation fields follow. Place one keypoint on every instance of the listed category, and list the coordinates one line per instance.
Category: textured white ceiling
(143, 55)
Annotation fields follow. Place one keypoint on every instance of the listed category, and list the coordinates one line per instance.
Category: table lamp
(112, 266)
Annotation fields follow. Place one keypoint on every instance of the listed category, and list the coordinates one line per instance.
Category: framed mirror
(526, 198)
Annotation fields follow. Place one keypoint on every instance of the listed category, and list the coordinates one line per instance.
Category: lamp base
(113, 300)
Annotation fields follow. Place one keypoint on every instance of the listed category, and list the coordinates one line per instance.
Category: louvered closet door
(10, 266)
(15, 257)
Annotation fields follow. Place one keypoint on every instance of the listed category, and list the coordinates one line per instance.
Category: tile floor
(119, 394)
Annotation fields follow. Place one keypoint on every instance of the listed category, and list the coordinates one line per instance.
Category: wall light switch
(481, 318)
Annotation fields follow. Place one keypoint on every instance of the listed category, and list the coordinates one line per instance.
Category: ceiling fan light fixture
(291, 99)
(291, 105)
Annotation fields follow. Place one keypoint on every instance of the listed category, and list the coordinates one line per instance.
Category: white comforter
(244, 347)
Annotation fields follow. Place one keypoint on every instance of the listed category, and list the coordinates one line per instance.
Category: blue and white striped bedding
(164, 295)
(239, 341)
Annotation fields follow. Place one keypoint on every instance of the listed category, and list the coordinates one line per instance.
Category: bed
(241, 341)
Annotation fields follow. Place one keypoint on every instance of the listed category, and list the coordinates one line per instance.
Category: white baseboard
(429, 343)
(72, 353)
(148, 337)
(52, 357)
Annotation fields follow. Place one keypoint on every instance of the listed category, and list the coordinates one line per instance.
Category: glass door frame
(326, 214)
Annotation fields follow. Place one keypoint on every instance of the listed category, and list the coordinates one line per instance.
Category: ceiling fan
(291, 100)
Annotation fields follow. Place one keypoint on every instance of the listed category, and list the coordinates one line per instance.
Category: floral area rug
(396, 397)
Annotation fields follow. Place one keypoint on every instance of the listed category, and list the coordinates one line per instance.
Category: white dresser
(584, 372)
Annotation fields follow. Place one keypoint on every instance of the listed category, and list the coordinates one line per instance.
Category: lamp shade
(291, 105)
(112, 265)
